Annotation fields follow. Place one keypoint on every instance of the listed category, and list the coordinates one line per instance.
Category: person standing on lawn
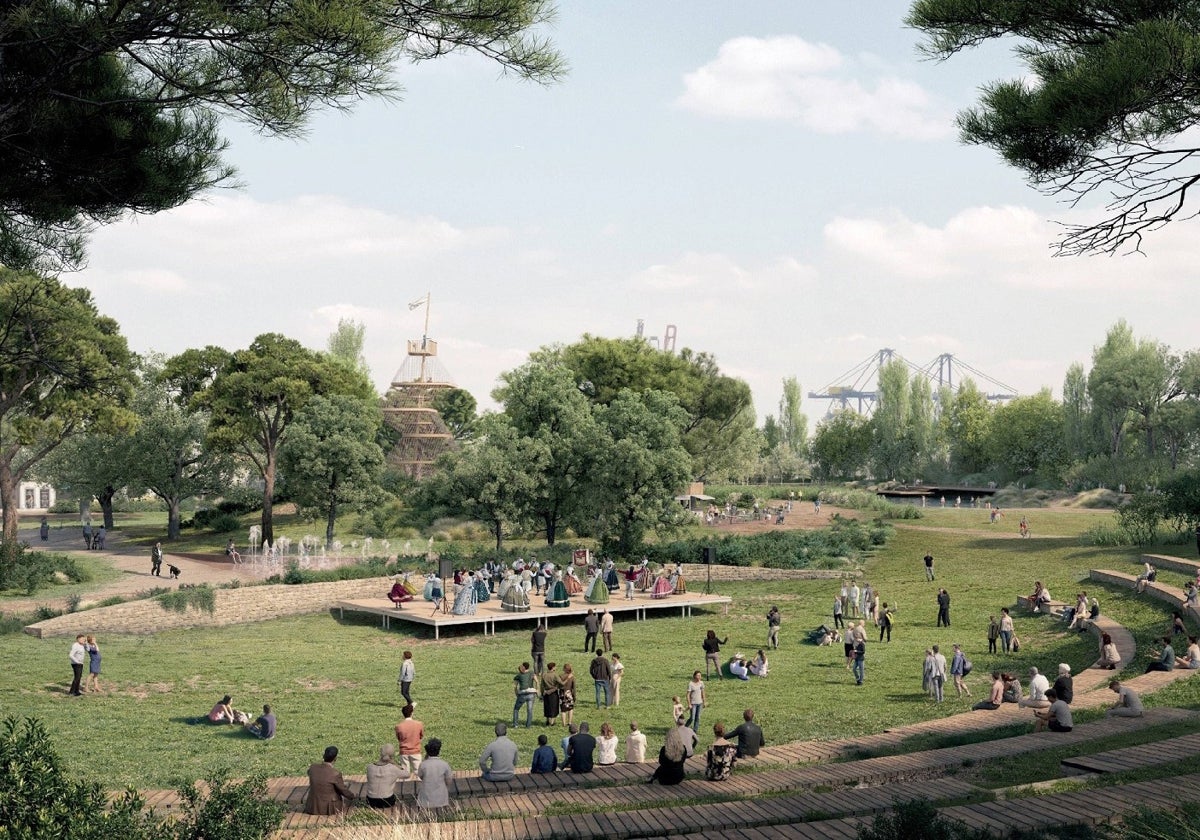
(928, 566)
(774, 619)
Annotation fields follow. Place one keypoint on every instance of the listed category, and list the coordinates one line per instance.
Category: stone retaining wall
(1172, 595)
(697, 572)
(1175, 564)
(243, 605)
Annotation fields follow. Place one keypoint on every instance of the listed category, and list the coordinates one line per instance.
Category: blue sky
(780, 180)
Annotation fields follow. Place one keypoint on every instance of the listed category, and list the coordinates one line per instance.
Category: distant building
(34, 497)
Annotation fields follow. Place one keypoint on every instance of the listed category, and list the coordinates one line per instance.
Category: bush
(200, 597)
(1103, 535)
(224, 523)
(38, 799)
(1141, 517)
(917, 818)
(36, 570)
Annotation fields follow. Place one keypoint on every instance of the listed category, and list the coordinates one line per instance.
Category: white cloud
(790, 79)
(718, 274)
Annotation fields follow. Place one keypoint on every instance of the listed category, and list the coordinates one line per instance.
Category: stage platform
(489, 613)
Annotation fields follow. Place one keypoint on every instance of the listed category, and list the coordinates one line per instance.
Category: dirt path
(131, 560)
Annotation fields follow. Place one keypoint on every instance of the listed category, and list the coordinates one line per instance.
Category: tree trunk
(268, 526)
(8, 500)
(550, 523)
(173, 527)
(329, 518)
(498, 530)
(106, 505)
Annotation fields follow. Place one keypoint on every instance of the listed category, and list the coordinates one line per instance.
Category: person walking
(606, 629)
(537, 648)
(837, 612)
(591, 626)
(885, 622)
(712, 650)
(943, 614)
(601, 672)
(408, 671)
(860, 660)
(156, 558)
(928, 566)
(695, 698)
(958, 670)
(774, 619)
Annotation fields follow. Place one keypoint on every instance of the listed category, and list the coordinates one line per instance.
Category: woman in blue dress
(557, 593)
(464, 600)
(481, 588)
(611, 579)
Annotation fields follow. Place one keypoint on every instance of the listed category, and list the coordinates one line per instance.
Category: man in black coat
(581, 748)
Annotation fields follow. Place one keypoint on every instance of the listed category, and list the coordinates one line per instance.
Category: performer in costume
(481, 588)
(557, 593)
(515, 598)
(662, 586)
(611, 579)
(574, 587)
(597, 591)
(465, 599)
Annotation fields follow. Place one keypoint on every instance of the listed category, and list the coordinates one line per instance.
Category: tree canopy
(108, 107)
(1109, 93)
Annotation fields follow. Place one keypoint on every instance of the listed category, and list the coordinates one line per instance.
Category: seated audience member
(718, 765)
(545, 760)
(749, 736)
(1056, 718)
(223, 712)
(498, 763)
(737, 667)
(1064, 685)
(671, 758)
(1038, 686)
(435, 776)
(759, 667)
(264, 727)
(1129, 702)
(995, 698)
(1192, 656)
(581, 750)
(1165, 657)
(382, 777)
(606, 745)
(1148, 576)
(1110, 657)
(635, 744)
(232, 553)
(327, 791)
(1012, 688)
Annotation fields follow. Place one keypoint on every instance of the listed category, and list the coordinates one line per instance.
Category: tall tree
(1108, 91)
(64, 369)
(254, 397)
(1027, 437)
(330, 458)
(89, 466)
(457, 409)
(792, 423)
(966, 421)
(1078, 423)
(107, 108)
(346, 345)
(892, 454)
(720, 431)
(841, 445)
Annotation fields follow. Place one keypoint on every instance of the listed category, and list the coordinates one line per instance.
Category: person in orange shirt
(409, 734)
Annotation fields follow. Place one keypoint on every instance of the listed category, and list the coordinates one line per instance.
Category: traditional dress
(662, 587)
(510, 580)
(481, 588)
(597, 591)
(645, 579)
(399, 593)
(574, 587)
(433, 584)
(556, 596)
(611, 579)
(515, 598)
(677, 584)
(465, 599)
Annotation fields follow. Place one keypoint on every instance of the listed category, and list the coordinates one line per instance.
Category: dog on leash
(174, 570)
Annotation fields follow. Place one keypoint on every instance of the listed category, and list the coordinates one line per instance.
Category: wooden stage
(489, 613)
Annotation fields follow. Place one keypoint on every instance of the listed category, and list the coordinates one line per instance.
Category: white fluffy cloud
(788, 78)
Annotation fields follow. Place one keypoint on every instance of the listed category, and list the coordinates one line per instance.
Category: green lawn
(335, 683)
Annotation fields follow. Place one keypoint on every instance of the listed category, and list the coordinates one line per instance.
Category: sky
(780, 181)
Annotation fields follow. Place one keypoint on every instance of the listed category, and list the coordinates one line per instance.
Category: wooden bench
(1135, 758)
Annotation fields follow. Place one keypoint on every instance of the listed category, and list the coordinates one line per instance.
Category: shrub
(200, 597)
(1141, 517)
(228, 810)
(223, 523)
(916, 818)
(43, 612)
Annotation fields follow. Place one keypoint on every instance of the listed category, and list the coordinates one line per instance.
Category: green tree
(254, 397)
(64, 369)
(88, 466)
(545, 406)
(922, 425)
(1108, 90)
(1078, 423)
(330, 458)
(720, 430)
(841, 445)
(1027, 437)
(346, 345)
(966, 421)
(457, 409)
(166, 452)
(792, 422)
(892, 452)
(491, 477)
(107, 108)
(640, 466)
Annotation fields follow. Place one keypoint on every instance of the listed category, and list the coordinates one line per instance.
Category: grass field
(334, 682)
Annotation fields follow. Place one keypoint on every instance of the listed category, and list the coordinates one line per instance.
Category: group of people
(85, 651)
(262, 727)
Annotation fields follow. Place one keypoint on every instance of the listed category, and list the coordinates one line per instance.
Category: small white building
(34, 497)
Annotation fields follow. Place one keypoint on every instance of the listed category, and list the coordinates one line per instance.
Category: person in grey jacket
(499, 760)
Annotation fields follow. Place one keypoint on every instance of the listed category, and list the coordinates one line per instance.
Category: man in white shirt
(1038, 685)
(78, 656)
